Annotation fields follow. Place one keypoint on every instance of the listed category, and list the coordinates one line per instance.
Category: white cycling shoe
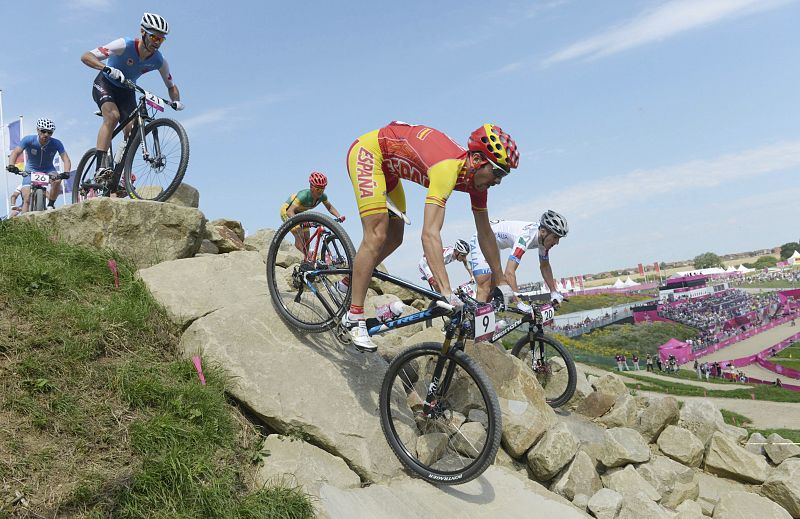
(359, 334)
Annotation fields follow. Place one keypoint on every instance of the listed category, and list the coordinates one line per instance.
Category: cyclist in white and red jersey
(520, 237)
(128, 58)
(458, 252)
(378, 160)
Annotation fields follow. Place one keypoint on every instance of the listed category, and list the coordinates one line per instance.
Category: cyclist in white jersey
(521, 236)
(458, 252)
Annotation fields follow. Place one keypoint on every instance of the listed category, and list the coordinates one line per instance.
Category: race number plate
(39, 179)
(154, 101)
(548, 313)
(484, 323)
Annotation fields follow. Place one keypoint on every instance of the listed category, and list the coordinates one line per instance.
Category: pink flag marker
(112, 265)
(198, 367)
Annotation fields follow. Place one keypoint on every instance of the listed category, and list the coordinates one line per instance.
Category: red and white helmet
(317, 179)
(496, 145)
(154, 22)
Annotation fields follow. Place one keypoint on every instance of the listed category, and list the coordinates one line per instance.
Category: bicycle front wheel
(552, 365)
(37, 200)
(302, 291)
(155, 169)
(440, 414)
(83, 186)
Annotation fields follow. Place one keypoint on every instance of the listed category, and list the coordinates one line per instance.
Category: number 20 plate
(548, 313)
(484, 323)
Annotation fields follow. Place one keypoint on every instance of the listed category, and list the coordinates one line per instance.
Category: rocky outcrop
(675, 482)
(556, 448)
(605, 503)
(622, 446)
(622, 414)
(681, 445)
(579, 477)
(779, 448)
(227, 235)
(735, 505)
(629, 483)
(655, 416)
(725, 458)
(783, 486)
(610, 384)
(186, 196)
(146, 233)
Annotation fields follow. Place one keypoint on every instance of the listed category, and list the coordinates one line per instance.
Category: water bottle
(119, 152)
(499, 325)
(389, 311)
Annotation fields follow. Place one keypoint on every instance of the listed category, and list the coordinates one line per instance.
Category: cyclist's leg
(53, 191)
(103, 95)
(26, 194)
(480, 270)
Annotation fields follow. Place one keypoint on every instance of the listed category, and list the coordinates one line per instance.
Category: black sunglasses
(496, 169)
(48, 132)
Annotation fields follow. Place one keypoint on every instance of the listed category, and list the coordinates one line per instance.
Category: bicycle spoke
(552, 366)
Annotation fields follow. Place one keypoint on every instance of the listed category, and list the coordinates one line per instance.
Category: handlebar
(24, 173)
(133, 86)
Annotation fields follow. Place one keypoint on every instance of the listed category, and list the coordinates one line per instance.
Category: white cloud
(668, 19)
(590, 198)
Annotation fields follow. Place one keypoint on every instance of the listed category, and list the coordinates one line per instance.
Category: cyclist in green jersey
(303, 201)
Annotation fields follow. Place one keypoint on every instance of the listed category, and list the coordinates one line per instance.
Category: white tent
(742, 268)
(794, 258)
(619, 284)
(630, 283)
(731, 268)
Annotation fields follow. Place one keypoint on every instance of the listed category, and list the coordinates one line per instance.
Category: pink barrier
(751, 380)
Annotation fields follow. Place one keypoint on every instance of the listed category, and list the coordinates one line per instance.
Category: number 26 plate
(484, 323)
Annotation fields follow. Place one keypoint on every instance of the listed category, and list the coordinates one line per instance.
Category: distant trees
(762, 262)
(707, 260)
(787, 249)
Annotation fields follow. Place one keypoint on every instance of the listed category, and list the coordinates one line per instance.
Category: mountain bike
(438, 409)
(39, 184)
(151, 163)
(548, 359)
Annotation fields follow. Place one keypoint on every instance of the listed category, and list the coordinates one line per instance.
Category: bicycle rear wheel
(552, 365)
(83, 182)
(451, 436)
(159, 175)
(303, 293)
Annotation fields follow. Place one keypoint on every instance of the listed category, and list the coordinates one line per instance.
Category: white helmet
(45, 124)
(154, 22)
(555, 223)
(461, 247)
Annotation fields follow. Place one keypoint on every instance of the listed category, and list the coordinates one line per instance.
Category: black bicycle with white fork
(439, 411)
(150, 165)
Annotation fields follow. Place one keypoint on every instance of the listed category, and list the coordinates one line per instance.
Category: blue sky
(661, 129)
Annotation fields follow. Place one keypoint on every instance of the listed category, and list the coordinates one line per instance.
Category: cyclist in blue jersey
(128, 58)
(40, 150)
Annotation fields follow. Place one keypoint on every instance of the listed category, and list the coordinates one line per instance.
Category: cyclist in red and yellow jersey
(378, 160)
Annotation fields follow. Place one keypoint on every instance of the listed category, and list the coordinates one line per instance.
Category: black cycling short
(103, 91)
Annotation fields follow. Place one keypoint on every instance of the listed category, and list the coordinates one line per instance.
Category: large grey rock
(622, 414)
(526, 415)
(186, 196)
(702, 418)
(675, 482)
(556, 448)
(580, 477)
(712, 488)
(610, 384)
(191, 288)
(582, 389)
(756, 443)
(605, 503)
(779, 448)
(640, 506)
(227, 235)
(725, 458)
(657, 414)
(629, 483)
(146, 233)
(496, 493)
(261, 240)
(681, 445)
(296, 462)
(335, 409)
(783, 486)
(622, 445)
(689, 510)
(738, 505)
(596, 404)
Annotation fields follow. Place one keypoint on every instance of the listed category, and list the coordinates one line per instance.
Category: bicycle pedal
(343, 335)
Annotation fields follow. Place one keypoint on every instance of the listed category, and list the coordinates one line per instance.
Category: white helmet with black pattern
(461, 247)
(154, 22)
(555, 223)
(45, 124)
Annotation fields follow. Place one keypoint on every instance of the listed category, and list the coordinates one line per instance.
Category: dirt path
(708, 385)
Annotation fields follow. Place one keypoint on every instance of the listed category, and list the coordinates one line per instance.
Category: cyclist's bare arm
(12, 159)
(92, 61)
(172, 88)
(66, 162)
(331, 209)
(547, 274)
(433, 220)
(511, 275)
(469, 270)
(488, 245)
(291, 210)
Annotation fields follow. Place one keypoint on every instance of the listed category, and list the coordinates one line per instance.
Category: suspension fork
(444, 371)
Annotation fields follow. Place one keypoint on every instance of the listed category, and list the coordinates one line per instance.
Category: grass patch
(788, 357)
(740, 420)
(99, 417)
(769, 284)
(594, 301)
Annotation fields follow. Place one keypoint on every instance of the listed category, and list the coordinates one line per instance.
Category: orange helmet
(317, 179)
(496, 145)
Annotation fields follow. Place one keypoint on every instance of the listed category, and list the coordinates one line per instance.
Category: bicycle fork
(440, 384)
